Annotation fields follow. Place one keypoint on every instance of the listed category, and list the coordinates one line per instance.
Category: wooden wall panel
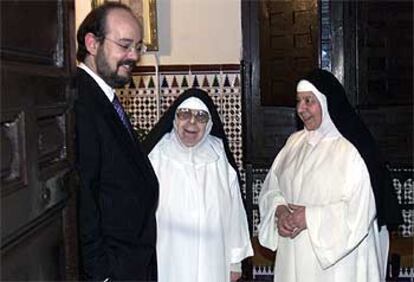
(392, 128)
(41, 248)
(385, 76)
(289, 43)
(37, 62)
(41, 19)
(272, 128)
(52, 123)
(13, 155)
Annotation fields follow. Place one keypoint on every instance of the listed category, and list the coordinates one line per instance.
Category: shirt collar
(108, 90)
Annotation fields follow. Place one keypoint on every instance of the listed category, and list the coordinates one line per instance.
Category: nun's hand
(234, 276)
(297, 218)
(284, 225)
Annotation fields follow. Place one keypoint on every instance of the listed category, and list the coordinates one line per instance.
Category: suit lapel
(129, 144)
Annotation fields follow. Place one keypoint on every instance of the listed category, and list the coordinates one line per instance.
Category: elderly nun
(202, 230)
(320, 201)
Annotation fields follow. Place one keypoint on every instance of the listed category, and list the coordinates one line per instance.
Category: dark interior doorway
(367, 45)
(38, 231)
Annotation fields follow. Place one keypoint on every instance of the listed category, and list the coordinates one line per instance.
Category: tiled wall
(151, 93)
(403, 184)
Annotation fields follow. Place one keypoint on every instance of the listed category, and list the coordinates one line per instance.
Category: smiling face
(309, 110)
(114, 62)
(189, 128)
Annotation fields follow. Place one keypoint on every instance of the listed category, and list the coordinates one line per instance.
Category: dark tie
(121, 113)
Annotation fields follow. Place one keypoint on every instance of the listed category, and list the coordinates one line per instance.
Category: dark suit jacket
(118, 191)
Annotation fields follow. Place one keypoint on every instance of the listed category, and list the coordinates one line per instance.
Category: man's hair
(95, 23)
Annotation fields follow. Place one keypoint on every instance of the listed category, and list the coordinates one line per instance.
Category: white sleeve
(337, 228)
(236, 267)
(269, 199)
(241, 246)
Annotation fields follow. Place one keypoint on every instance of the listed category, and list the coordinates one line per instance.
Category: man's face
(309, 110)
(116, 54)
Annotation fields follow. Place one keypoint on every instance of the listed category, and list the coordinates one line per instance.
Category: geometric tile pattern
(407, 229)
(406, 274)
(263, 272)
(404, 189)
(258, 177)
(150, 94)
(257, 184)
(256, 220)
(242, 172)
(402, 179)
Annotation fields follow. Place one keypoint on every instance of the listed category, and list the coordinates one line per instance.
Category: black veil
(166, 123)
(349, 124)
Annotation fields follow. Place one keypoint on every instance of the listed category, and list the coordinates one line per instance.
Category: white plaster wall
(82, 8)
(192, 31)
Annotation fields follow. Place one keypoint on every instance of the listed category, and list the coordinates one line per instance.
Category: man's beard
(111, 77)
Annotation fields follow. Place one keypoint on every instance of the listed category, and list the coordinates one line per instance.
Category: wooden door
(37, 59)
(288, 48)
(384, 95)
(280, 43)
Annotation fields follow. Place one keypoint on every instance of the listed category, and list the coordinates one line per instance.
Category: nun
(202, 230)
(323, 200)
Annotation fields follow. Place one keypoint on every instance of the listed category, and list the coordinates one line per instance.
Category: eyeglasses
(140, 48)
(199, 115)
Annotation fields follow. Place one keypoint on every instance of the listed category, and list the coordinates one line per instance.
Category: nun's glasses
(186, 114)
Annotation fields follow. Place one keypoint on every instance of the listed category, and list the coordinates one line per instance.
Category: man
(119, 189)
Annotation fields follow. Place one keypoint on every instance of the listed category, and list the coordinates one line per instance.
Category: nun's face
(191, 125)
(309, 109)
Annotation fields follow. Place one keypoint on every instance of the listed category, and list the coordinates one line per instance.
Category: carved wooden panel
(49, 90)
(392, 128)
(385, 75)
(41, 243)
(288, 48)
(52, 139)
(41, 90)
(13, 170)
(267, 126)
(275, 126)
(37, 61)
(385, 41)
(44, 44)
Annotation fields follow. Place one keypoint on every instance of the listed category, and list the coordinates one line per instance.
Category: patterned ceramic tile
(150, 94)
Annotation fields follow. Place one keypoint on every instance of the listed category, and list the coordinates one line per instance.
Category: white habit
(201, 221)
(329, 177)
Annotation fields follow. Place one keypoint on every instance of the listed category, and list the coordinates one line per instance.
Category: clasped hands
(235, 276)
(291, 220)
